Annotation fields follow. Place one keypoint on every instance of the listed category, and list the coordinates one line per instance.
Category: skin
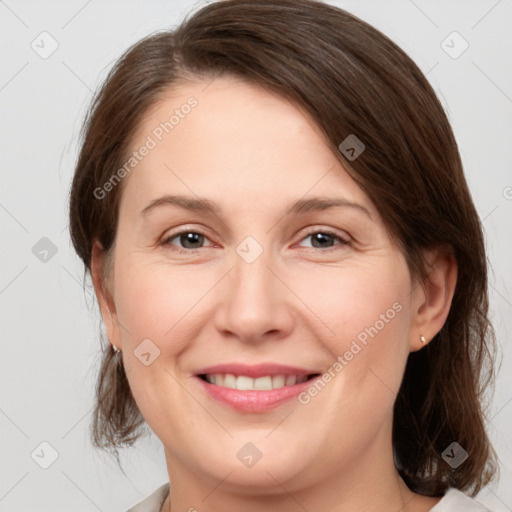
(301, 304)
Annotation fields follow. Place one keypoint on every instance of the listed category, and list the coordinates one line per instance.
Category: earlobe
(433, 298)
(103, 294)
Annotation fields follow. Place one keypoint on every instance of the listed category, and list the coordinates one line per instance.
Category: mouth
(254, 388)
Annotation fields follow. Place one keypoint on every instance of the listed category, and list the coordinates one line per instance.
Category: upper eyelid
(345, 240)
(182, 230)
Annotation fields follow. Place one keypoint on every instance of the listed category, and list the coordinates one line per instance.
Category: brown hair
(351, 79)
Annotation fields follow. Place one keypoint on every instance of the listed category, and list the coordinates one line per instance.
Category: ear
(104, 295)
(432, 298)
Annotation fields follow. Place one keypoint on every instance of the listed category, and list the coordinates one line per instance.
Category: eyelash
(343, 242)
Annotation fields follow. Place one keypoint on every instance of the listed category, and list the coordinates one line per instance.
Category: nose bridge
(251, 277)
(255, 302)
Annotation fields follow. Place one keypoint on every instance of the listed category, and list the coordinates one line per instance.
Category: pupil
(319, 237)
(191, 238)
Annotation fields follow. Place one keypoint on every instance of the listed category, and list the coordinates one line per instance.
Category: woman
(289, 267)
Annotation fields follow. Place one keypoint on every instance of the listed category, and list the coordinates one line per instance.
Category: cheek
(365, 314)
(358, 302)
(158, 302)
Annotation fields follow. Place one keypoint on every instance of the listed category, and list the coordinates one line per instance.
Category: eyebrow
(300, 206)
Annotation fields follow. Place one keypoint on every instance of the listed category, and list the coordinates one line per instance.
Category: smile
(265, 388)
(246, 383)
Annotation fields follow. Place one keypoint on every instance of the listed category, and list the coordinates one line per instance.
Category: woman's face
(268, 276)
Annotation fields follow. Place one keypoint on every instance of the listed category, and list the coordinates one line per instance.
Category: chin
(264, 474)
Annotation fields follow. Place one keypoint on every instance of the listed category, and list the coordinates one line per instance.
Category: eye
(323, 239)
(188, 239)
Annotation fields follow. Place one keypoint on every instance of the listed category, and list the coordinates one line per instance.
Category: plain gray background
(49, 326)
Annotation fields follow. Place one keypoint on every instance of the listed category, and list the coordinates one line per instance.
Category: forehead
(231, 139)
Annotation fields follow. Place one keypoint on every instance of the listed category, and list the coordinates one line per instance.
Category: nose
(255, 303)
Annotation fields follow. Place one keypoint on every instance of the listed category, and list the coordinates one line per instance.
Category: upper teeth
(248, 383)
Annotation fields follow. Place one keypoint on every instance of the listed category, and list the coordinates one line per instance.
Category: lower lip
(255, 401)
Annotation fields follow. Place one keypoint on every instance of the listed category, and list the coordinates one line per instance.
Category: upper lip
(255, 371)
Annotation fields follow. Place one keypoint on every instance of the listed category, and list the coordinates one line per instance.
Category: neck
(369, 483)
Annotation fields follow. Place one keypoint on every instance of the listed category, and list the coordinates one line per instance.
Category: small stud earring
(116, 350)
(423, 339)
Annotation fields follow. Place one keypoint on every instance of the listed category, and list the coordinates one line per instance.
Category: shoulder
(154, 502)
(456, 501)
